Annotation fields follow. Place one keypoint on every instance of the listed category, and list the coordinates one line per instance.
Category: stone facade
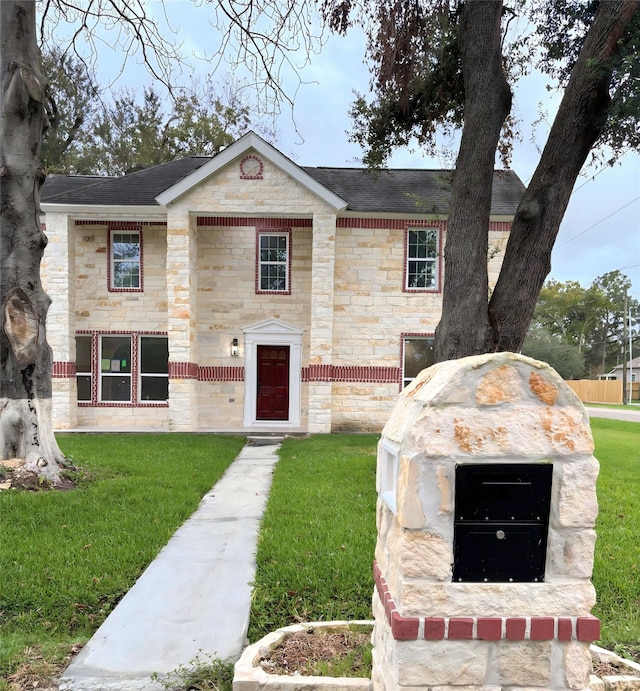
(435, 631)
(346, 308)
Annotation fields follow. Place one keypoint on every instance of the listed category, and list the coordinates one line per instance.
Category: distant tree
(94, 132)
(565, 358)
(71, 106)
(130, 135)
(590, 320)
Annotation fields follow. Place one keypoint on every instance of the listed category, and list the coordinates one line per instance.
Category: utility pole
(630, 356)
(625, 399)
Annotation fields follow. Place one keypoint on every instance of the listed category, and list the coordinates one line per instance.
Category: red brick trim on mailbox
(586, 629)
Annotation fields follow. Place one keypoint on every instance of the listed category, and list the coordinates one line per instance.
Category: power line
(613, 213)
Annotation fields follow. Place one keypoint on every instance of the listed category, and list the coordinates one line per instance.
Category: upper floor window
(126, 260)
(422, 254)
(418, 354)
(273, 265)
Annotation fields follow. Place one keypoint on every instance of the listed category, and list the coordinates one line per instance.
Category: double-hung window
(154, 369)
(115, 368)
(83, 367)
(422, 252)
(418, 354)
(126, 260)
(273, 265)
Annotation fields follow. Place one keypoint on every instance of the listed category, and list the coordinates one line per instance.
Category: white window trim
(435, 261)
(287, 262)
(114, 287)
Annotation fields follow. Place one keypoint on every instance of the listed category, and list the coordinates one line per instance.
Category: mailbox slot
(501, 522)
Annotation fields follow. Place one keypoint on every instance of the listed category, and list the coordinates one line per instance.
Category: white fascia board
(251, 141)
(106, 211)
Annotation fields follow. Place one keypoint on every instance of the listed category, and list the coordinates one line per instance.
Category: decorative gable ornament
(251, 168)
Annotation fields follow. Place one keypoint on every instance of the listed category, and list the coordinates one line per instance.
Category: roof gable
(251, 141)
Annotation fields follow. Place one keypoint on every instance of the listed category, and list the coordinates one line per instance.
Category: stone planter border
(249, 675)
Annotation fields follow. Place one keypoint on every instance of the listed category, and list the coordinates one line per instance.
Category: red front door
(273, 383)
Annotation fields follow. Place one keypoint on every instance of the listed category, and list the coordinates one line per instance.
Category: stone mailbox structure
(486, 508)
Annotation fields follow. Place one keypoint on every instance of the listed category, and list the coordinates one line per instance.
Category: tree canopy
(572, 322)
(95, 132)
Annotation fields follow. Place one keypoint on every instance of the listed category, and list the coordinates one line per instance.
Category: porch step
(265, 440)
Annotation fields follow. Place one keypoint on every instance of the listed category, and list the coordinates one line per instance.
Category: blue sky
(600, 231)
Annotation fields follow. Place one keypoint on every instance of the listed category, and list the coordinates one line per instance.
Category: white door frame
(272, 332)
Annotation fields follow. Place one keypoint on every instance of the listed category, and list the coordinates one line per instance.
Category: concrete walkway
(194, 598)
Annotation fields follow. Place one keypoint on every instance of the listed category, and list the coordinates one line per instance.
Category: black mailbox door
(501, 522)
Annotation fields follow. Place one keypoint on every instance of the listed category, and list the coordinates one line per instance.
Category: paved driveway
(631, 413)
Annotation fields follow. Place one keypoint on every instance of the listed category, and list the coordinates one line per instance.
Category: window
(83, 367)
(154, 369)
(126, 260)
(419, 354)
(115, 368)
(129, 369)
(273, 263)
(422, 259)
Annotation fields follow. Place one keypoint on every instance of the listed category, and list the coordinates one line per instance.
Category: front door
(273, 383)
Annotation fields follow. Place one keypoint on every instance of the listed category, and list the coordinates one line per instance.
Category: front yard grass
(67, 558)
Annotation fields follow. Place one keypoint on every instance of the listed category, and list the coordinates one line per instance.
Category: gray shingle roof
(136, 189)
(406, 191)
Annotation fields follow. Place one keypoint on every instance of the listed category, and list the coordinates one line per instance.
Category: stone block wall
(432, 632)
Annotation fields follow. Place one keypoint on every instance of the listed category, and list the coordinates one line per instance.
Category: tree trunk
(576, 128)
(464, 325)
(26, 430)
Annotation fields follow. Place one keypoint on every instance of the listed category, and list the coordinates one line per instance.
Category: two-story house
(246, 293)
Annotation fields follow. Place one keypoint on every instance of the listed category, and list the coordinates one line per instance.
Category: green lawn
(616, 573)
(67, 558)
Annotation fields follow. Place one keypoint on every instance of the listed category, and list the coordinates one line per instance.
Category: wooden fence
(591, 391)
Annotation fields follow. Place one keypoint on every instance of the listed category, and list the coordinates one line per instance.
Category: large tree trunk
(26, 430)
(576, 128)
(464, 326)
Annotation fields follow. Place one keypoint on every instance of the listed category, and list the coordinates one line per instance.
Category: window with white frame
(418, 354)
(83, 367)
(422, 253)
(115, 368)
(126, 264)
(154, 369)
(273, 262)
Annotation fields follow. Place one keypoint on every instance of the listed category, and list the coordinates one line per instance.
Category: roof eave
(111, 211)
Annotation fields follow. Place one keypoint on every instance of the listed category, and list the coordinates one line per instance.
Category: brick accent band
(585, 629)
(183, 370)
(347, 373)
(63, 370)
(312, 373)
